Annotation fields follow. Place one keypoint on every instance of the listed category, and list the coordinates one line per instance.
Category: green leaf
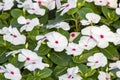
(59, 70)
(83, 68)
(4, 16)
(43, 73)
(110, 14)
(16, 13)
(72, 11)
(60, 59)
(110, 52)
(43, 50)
(90, 73)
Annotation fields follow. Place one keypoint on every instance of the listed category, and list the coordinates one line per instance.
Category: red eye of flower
(12, 72)
(72, 35)
(27, 23)
(67, 5)
(33, 62)
(73, 49)
(101, 36)
(56, 42)
(28, 59)
(91, 37)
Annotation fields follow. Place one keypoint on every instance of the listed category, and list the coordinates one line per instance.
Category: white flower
(104, 76)
(67, 6)
(116, 40)
(100, 2)
(118, 9)
(32, 8)
(63, 25)
(71, 74)
(6, 4)
(56, 41)
(112, 3)
(13, 36)
(35, 64)
(40, 39)
(73, 49)
(97, 60)
(103, 35)
(27, 55)
(87, 43)
(114, 65)
(73, 35)
(12, 72)
(118, 74)
(28, 24)
(32, 60)
(91, 18)
(26, 4)
(35, 9)
(2, 69)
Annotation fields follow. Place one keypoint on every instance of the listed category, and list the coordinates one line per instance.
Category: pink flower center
(33, 62)
(56, 42)
(69, 76)
(100, 1)
(33, 8)
(108, 3)
(85, 45)
(73, 49)
(72, 35)
(15, 36)
(97, 62)
(91, 37)
(40, 3)
(67, 5)
(2, 4)
(12, 72)
(107, 78)
(28, 59)
(27, 23)
(101, 36)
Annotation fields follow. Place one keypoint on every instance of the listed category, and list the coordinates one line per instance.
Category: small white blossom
(87, 43)
(32, 60)
(97, 60)
(28, 24)
(6, 4)
(118, 74)
(104, 76)
(114, 65)
(89, 0)
(56, 41)
(112, 3)
(91, 18)
(13, 36)
(103, 35)
(2, 69)
(63, 25)
(71, 74)
(35, 64)
(12, 72)
(73, 49)
(40, 39)
(67, 6)
(118, 10)
(100, 2)
(116, 40)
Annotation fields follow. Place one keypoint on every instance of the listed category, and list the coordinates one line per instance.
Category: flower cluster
(60, 39)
